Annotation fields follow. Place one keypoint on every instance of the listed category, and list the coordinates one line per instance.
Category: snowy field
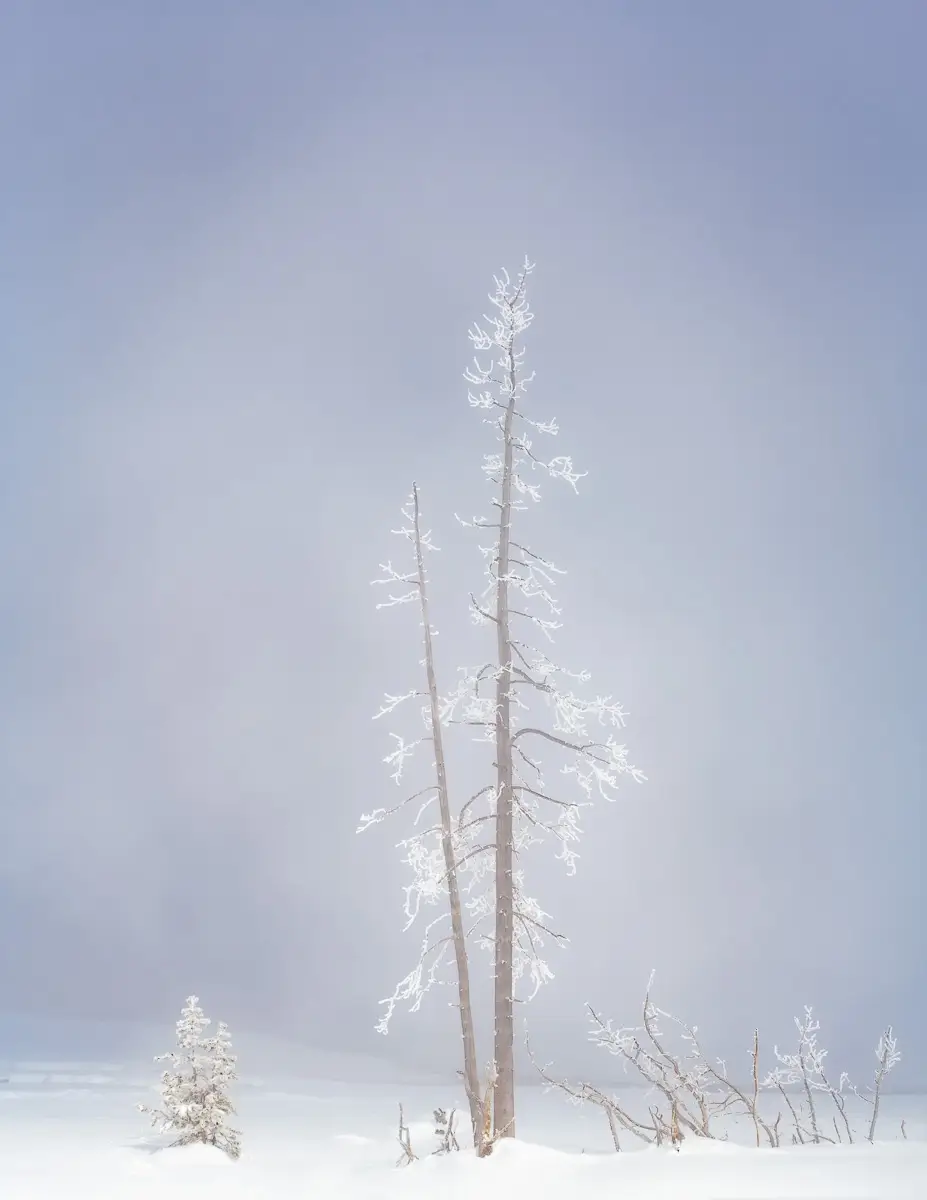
(69, 1131)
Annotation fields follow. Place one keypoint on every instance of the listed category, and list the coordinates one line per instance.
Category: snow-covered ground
(69, 1131)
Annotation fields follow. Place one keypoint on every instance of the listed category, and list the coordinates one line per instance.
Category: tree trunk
(504, 1049)
(471, 1069)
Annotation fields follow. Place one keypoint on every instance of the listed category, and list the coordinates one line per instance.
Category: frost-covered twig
(408, 1155)
(445, 1131)
(697, 1092)
(587, 1093)
(805, 1068)
(888, 1056)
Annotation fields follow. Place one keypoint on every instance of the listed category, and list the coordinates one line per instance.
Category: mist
(243, 246)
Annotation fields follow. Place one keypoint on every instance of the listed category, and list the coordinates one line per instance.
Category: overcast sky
(242, 244)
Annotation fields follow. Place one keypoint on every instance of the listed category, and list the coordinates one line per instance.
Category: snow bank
(324, 1144)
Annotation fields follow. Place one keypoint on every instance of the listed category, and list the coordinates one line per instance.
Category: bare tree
(493, 696)
(432, 853)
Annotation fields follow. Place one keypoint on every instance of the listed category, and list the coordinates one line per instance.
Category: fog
(242, 247)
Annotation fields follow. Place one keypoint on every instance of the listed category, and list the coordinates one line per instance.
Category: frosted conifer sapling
(195, 1102)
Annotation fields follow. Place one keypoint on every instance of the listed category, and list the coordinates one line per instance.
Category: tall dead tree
(519, 596)
(433, 853)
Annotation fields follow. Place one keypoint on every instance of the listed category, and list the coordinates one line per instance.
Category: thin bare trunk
(468, 1035)
(841, 1107)
(815, 1132)
(756, 1082)
(504, 1049)
(880, 1075)
(798, 1136)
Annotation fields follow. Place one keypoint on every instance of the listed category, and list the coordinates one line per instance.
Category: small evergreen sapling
(195, 1101)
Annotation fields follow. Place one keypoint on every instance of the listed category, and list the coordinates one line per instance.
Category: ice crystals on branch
(808, 1061)
(420, 980)
(432, 855)
(805, 1069)
(397, 757)
(392, 702)
(698, 1089)
(522, 581)
(887, 1052)
(888, 1056)
(392, 576)
(521, 703)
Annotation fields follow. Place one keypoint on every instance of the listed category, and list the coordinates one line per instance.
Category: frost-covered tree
(472, 862)
(432, 852)
(195, 1102)
(523, 703)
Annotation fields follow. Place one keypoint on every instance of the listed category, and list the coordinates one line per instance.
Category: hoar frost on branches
(195, 1102)
(697, 1097)
(519, 603)
(434, 853)
(475, 857)
(805, 1069)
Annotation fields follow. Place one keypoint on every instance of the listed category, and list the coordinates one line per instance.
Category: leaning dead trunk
(470, 1071)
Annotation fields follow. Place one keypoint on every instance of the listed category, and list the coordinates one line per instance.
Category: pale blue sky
(242, 245)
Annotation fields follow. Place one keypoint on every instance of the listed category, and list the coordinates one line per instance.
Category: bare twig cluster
(408, 1155)
(695, 1092)
(444, 1130)
(445, 1133)
(446, 1126)
(805, 1070)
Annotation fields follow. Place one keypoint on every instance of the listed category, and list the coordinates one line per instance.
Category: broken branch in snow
(405, 1141)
